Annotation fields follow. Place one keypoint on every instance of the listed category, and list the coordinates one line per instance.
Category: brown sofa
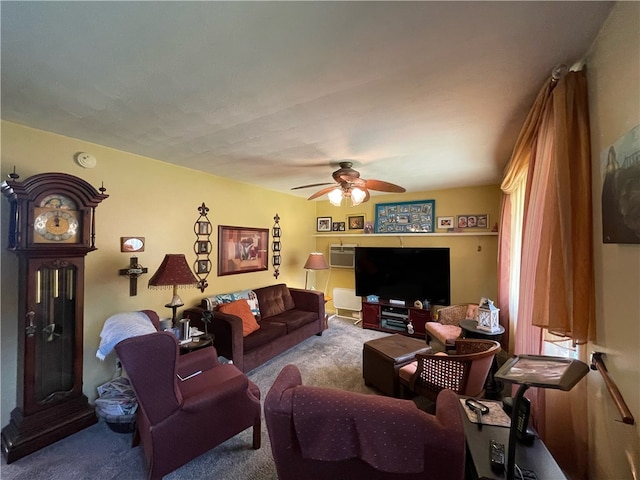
(287, 316)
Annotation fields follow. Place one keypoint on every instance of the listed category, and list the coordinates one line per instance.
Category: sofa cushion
(268, 332)
(293, 319)
(274, 300)
(210, 303)
(240, 308)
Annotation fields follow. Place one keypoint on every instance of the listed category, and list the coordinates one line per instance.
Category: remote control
(496, 455)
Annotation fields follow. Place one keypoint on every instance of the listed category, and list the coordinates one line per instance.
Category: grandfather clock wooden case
(52, 228)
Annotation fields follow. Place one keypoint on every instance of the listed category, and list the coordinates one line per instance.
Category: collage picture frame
(405, 217)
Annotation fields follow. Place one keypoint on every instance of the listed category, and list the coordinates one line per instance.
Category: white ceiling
(426, 95)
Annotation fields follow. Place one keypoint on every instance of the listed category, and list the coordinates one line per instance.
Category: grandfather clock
(52, 228)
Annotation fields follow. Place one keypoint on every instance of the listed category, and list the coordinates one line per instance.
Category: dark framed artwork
(355, 222)
(242, 249)
(203, 246)
(203, 228)
(203, 266)
(620, 169)
(323, 224)
(405, 217)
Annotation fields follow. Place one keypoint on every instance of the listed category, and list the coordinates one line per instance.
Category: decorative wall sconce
(276, 246)
(202, 247)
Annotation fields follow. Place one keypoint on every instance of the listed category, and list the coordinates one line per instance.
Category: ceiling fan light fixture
(335, 197)
(357, 196)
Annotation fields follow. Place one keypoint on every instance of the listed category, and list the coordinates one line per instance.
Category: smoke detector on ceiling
(86, 160)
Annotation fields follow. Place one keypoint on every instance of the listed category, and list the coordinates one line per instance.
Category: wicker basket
(119, 423)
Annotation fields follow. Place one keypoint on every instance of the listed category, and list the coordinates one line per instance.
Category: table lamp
(535, 371)
(173, 272)
(315, 261)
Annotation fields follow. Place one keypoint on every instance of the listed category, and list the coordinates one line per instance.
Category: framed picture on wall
(355, 222)
(323, 224)
(242, 249)
(473, 221)
(445, 222)
(417, 216)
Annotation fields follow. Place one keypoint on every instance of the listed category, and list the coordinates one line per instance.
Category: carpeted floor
(333, 360)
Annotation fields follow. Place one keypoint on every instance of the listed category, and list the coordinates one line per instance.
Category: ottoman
(383, 357)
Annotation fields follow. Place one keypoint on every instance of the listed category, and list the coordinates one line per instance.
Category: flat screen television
(406, 274)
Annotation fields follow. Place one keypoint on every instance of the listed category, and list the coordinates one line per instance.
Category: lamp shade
(316, 261)
(173, 271)
(357, 196)
(335, 196)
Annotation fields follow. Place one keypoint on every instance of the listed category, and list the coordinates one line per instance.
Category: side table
(531, 458)
(470, 330)
(203, 341)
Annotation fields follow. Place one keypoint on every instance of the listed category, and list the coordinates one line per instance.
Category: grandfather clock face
(57, 220)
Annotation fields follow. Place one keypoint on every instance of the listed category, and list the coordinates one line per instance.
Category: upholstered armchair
(446, 329)
(326, 434)
(464, 372)
(187, 404)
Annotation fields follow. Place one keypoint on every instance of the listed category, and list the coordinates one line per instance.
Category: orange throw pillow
(240, 308)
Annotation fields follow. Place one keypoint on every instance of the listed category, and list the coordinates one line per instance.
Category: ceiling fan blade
(312, 185)
(319, 193)
(381, 186)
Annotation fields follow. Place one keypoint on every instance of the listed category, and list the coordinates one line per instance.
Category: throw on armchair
(325, 434)
(446, 330)
(187, 404)
(465, 372)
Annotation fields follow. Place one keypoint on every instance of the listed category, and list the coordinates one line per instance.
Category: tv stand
(386, 316)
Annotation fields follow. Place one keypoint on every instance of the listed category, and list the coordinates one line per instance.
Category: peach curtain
(555, 284)
(512, 211)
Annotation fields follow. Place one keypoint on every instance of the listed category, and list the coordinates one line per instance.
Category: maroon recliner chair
(328, 434)
(187, 404)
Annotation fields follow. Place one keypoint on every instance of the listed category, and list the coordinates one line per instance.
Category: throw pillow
(210, 303)
(240, 308)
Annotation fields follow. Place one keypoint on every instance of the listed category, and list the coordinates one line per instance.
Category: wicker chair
(465, 372)
(446, 329)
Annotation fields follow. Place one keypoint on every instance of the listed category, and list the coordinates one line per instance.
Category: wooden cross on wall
(133, 272)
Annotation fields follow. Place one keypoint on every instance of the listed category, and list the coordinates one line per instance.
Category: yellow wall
(473, 257)
(154, 200)
(614, 102)
(159, 201)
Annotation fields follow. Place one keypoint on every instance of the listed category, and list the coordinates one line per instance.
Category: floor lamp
(535, 371)
(315, 261)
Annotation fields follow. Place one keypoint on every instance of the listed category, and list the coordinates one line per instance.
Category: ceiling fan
(349, 184)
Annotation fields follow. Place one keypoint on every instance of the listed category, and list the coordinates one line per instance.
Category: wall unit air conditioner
(342, 256)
